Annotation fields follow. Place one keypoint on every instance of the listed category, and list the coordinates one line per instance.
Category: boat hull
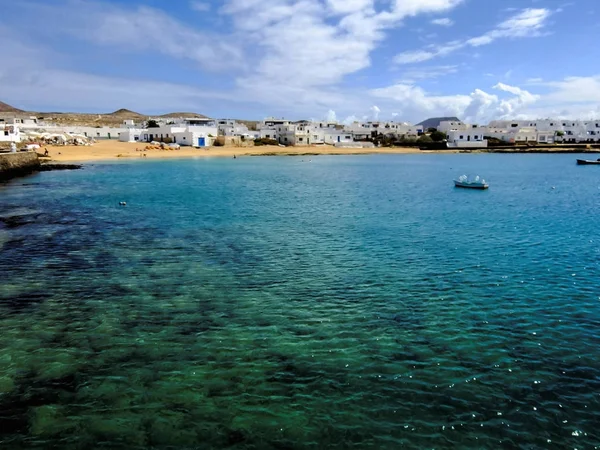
(586, 162)
(481, 187)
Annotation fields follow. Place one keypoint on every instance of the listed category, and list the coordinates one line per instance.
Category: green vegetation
(438, 136)
(424, 139)
(265, 141)
(153, 124)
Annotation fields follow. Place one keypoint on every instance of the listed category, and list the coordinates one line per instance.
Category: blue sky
(346, 59)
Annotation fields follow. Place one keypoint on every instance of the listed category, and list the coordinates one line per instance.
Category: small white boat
(476, 183)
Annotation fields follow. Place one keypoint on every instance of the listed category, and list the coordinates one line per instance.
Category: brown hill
(184, 114)
(6, 108)
(126, 113)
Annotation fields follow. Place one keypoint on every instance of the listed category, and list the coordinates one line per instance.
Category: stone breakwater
(18, 164)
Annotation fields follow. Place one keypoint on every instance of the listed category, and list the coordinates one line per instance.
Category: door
(201, 142)
(339, 139)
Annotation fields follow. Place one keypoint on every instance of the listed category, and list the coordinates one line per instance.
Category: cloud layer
(290, 57)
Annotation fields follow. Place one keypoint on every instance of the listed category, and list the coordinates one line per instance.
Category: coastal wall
(17, 164)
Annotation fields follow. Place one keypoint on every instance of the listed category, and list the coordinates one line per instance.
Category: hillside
(6, 108)
(183, 114)
(126, 113)
(113, 119)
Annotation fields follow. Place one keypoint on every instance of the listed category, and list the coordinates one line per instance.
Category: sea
(309, 302)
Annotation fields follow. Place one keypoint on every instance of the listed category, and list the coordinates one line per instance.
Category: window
(316, 137)
(285, 139)
(347, 137)
(551, 124)
(514, 125)
(98, 134)
(6, 133)
(475, 137)
(461, 137)
(300, 139)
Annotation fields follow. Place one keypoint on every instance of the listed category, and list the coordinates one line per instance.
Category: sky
(344, 60)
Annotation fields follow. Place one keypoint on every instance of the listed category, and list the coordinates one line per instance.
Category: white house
(525, 134)
(338, 137)
(446, 126)
(471, 138)
(22, 122)
(10, 133)
(162, 133)
(229, 127)
(131, 135)
(89, 132)
(196, 137)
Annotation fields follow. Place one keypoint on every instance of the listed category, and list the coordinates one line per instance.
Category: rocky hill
(114, 118)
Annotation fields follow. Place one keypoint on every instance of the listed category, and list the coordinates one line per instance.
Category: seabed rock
(7, 385)
(49, 420)
(50, 167)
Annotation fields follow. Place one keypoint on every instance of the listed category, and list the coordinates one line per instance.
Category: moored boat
(584, 162)
(476, 183)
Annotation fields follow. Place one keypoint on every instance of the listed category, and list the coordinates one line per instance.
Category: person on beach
(45, 152)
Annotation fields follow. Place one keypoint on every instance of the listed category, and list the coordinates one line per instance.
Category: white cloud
(331, 116)
(298, 36)
(200, 6)
(572, 97)
(445, 22)
(527, 23)
(415, 56)
(375, 112)
(132, 29)
(423, 73)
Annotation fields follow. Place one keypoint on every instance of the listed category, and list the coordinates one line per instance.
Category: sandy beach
(115, 150)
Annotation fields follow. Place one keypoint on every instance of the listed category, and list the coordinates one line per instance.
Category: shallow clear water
(276, 303)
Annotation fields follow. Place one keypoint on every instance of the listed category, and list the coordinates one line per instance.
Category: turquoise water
(275, 303)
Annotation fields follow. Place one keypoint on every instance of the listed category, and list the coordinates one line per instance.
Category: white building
(131, 135)
(446, 126)
(338, 137)
(363, 130)
(162, 133)
(22, 122)
(196, 137)
(271, 128)
(468, 138)
(229, 127)
(10, 133)
(556, 130)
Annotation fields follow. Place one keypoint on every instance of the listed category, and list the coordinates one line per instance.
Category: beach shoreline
(127, 151)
